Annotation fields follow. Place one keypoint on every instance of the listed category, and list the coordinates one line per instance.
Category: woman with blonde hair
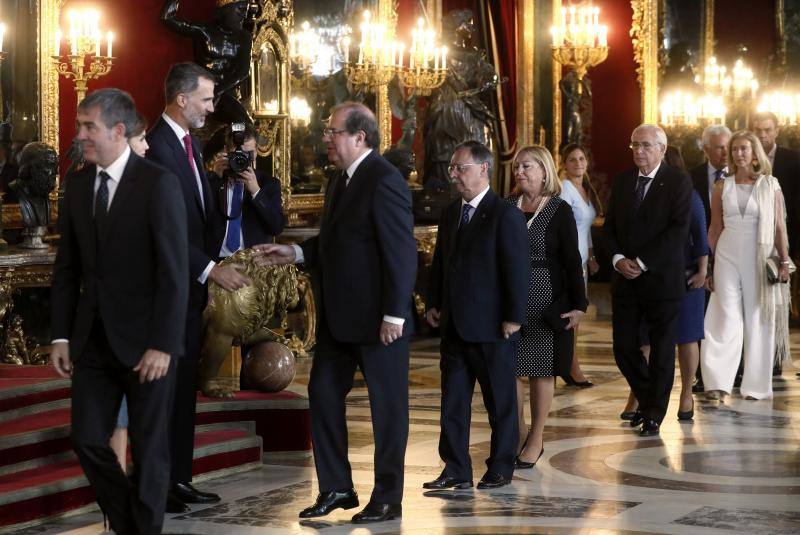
(578, 192)
(556, 293)
(748, 226)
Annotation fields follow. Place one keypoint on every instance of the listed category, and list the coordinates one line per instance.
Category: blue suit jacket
(480, 280)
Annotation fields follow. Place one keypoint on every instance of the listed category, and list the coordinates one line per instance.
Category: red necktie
(187, 143)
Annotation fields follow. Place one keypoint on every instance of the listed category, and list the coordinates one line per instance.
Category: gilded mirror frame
(273, 28)
(645, 34)
(47, 22)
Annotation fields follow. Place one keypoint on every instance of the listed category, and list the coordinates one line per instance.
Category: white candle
(400, 58)
(2, 35)
(97, 40)
(346, 50)
(58, 42)
(110, 37)
(74, 43)
(436, 59)
(604, 36)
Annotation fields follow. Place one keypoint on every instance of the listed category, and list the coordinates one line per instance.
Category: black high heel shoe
(572, 382)
(519, 464)
(686, 416)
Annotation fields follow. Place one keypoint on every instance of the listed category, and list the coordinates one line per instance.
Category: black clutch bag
(552, 314)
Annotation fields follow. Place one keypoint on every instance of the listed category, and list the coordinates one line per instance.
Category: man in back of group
(704, 176)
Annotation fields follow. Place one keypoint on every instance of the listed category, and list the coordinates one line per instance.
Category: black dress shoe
(650, 428)
(378, 512)
(698, 387)
(519, 464)
(175, 505)
(637, 418)
(572, 382)
(492, 480)
(186, 493)
(447, 482)
(627, 415)
(330, 500)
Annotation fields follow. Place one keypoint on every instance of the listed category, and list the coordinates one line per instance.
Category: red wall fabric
(145, 49)
(616, 94)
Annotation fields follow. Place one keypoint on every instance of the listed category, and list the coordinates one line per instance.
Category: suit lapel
(179, 153)
(452, 218)
(486, 204)
(655, 190)
(351, 190)
(85, 215)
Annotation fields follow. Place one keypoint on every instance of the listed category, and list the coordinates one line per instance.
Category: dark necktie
(101, 199)
(187, 144)
(338, 190)
(233, 241)
(465, 211)
(717, 175)
(641, 184)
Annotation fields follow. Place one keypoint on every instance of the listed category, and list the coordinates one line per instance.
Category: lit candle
(554, 33)
(604, 36)
(400, 58)
(58, 42)
(110, 37)
(96, 37)
(444, 58)
(2, 35)
(436, 59)
(597, 16)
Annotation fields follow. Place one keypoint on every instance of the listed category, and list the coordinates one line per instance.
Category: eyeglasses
(525, 166)
(635, 145)
(459, 167)
(330, 132)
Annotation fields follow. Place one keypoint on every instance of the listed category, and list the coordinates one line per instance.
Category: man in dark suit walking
(123, 240)
(478, 292)
(248, 203)
(705, 175)
(786, 168)
(189, 90)
(647, 226)
(365, 262)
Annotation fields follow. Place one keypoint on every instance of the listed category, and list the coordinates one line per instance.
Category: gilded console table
(21, 268)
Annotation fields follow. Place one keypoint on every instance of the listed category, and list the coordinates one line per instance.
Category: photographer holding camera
(249, 202)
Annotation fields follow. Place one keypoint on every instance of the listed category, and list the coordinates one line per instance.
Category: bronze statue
(36, 179)
(457, 113)
(243, 316)
(573, 91)
(223, 46)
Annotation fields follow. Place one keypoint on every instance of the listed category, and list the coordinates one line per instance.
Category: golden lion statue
(243, 316)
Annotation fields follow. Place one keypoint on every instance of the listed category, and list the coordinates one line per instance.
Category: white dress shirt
(181, 133)
(476, 200)
(652, 175)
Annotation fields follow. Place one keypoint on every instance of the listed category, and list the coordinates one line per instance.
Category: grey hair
(715, 130)
(116, 106)
(184, 78)
(480, 153)
(661, 136)
(360, 118)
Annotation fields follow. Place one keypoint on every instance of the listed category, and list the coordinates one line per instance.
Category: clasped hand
(273, 254)
(629, 269)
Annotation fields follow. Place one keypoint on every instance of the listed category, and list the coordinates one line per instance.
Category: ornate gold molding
(644, 35)
(707, 29)
(47, 22)
(526, 45)
(557, 69)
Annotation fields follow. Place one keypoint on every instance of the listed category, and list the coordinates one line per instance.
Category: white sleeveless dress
(733, 319)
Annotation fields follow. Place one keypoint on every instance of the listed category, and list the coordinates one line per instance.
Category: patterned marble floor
(735, 469)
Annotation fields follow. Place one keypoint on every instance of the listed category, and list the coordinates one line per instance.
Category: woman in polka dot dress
(556, 294)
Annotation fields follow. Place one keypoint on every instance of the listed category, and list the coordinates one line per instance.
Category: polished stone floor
(735, 469)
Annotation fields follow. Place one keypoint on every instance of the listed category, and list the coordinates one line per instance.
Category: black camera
(239, 160)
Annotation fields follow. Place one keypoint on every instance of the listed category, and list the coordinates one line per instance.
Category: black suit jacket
(656, 233)
(700, 182)
(481, 279)
(133, 274)
(262, 215)
(167, 151)
(365, 254)
(786, 169)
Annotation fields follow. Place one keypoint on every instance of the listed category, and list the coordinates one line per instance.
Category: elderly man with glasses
(477, 294)
(647, 225)
(364, 261)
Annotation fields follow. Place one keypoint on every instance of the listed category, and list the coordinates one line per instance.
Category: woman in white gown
(747, 227)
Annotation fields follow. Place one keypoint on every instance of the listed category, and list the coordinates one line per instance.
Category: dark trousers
(99, 380)
(493, 365)
(184, 407)
(651, 382)
(385, 370)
